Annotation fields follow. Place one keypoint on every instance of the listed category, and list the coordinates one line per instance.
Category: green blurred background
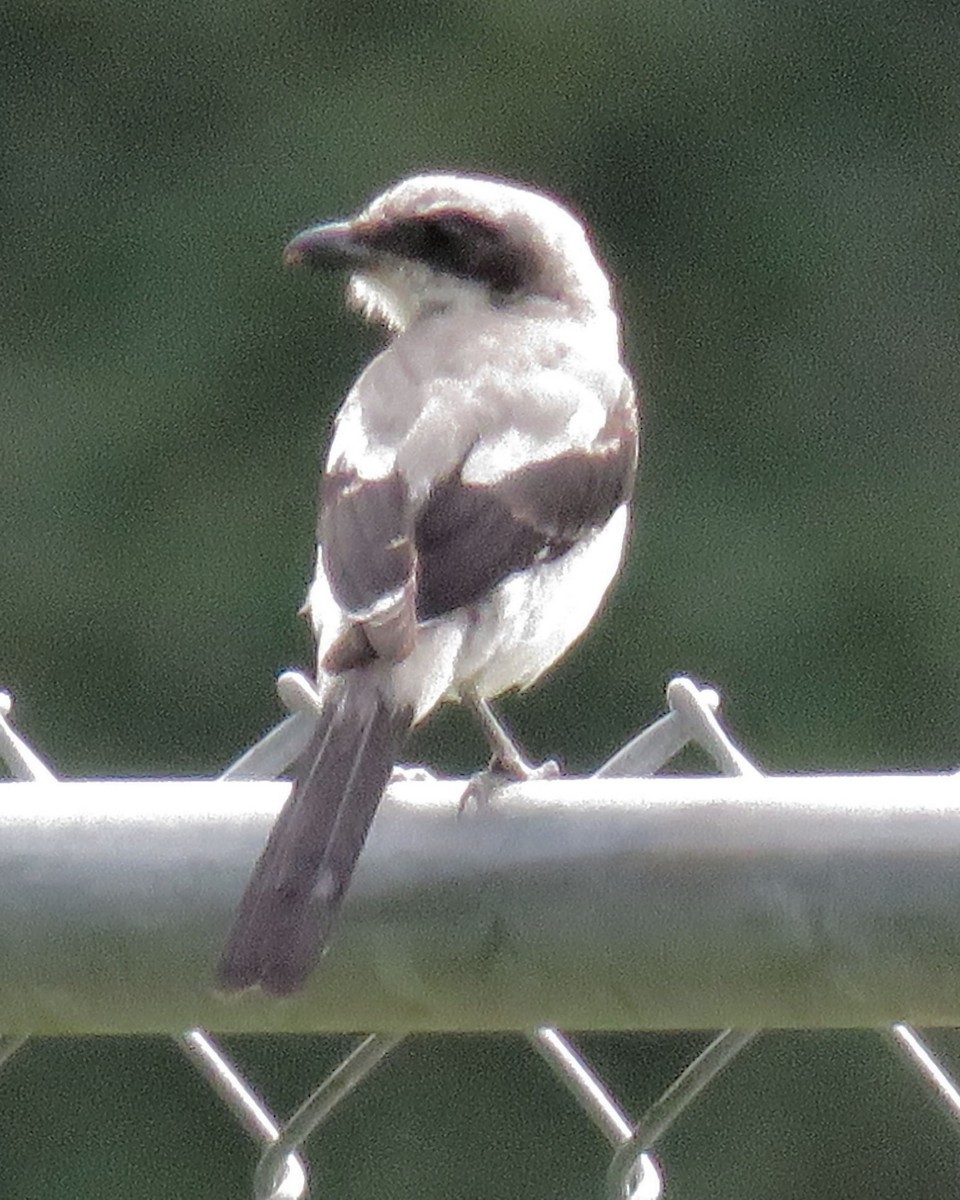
(775, 186)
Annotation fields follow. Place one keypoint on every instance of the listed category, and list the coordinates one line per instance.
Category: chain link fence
(633, 1170)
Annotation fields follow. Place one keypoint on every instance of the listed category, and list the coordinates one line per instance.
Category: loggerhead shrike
(473, 513)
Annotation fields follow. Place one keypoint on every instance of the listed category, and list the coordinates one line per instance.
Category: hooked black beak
(335, 244)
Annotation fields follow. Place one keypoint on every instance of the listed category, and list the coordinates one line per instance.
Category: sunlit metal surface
(660, 903)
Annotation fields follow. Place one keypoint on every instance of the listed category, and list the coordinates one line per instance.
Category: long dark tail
(287, 912)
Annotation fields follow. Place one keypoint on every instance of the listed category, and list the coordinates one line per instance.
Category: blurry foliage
(775, 187)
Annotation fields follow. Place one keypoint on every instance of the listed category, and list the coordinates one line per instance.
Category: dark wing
(390, 566)
(470, 537)
(365, 529)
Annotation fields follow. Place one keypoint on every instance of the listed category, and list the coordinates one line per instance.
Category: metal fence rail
(616, 902)
(600, 904)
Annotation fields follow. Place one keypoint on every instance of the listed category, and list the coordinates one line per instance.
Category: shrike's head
(436, 243)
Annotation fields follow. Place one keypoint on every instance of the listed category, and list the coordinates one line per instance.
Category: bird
(474, 512)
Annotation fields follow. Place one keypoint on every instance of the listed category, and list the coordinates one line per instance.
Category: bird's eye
(460, 244)
(455, 238)
(467, 246)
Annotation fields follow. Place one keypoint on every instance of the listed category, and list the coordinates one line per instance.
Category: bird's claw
(483, 787)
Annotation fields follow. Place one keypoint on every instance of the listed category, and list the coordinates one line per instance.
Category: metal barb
(698, 710)
(279, 747)
(24, 762)
(653, 747)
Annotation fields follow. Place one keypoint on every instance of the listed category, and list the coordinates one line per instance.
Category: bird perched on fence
(473, 514)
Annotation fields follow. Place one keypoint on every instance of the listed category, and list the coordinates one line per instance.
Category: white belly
(517, 632)
(534, 616)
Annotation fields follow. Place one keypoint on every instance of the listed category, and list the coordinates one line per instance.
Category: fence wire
(634, 1171)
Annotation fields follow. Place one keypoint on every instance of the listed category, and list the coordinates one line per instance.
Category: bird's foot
(483, 787)
(508, 764)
